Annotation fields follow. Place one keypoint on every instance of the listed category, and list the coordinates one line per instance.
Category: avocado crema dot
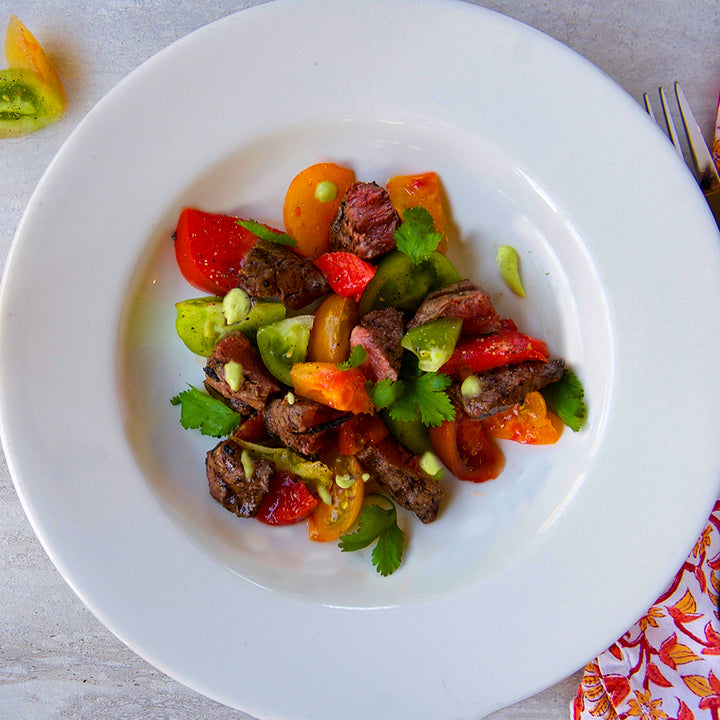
(234, 374)
(471, 386)
(326, 191)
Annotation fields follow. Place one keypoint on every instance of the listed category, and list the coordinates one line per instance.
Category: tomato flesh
(210, 249)
(466, 449)
(329, 522)
(329, 385)
(505, 347)
(529, 423)
(287, 502)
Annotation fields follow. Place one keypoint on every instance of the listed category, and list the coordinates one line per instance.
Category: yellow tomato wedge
(22, 50)
(329, 522)
(31, 92)
(311, 201)
(421, 190)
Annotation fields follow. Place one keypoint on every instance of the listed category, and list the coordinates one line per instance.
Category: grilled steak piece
(398, 471)
(464, 300)
(228, 481)
(365, 222)
(257, 383)
(305, 426)
(505, 386)
(380, 333)
(271, 270)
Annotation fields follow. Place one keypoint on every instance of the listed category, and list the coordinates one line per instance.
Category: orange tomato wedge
(22, 50)
(530, 423)
(327, 384)
(311, 202)
(421, 190)
(329, 522)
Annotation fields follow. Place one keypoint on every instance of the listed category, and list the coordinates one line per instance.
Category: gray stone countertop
(56, 660)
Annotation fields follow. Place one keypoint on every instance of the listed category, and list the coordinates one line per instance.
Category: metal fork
(705, 169)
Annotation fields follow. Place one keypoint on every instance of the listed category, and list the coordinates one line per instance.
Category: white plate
(521, 580)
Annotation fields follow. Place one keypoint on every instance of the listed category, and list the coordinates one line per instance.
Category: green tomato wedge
(27, 102)
(283, 344)
(411, 433)
(312, 472)
(201, 323)
(433, 343)
(403, 284)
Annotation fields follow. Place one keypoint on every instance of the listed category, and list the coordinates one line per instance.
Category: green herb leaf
(566, 399)
(266, 233)
(376, 523)
(356, 359)
(416, 236)
(424, 397)
(385, 392)
(208, 414)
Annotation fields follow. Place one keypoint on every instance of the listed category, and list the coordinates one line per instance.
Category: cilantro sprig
(379, 525)
(416, 236)
(415, 395)
(199, 411)
(566, 398)
(356, 359)
(266, 233)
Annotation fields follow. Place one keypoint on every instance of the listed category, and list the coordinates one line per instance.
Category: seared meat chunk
(257, 383)
(464, 300)
(228, 480)
(304, 426)
(505, 386)
(271, 270)
(398, 471)
(365, 222)
(380, 333)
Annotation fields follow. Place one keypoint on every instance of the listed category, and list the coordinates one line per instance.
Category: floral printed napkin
(667, 666)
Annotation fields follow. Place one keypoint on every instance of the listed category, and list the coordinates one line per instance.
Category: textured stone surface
(56, 660)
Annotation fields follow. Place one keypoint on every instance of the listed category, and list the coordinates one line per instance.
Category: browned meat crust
(304, 426)
(365, 222)
(397, 470)
(258, 384)
(271, 270)
(508, 385)
(380, 333)
(464, 300)
(228, 482)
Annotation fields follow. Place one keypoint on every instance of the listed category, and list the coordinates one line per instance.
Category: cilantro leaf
(387, 553)
(566, 399)
(416, 236)
(356, 359)
(424, 397)
(210, 415)
(376, 523)
(266, 233)
(385, 392)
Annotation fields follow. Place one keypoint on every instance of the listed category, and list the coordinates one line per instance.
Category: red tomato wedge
(346, 273)
(328, 384)
(210, 249)
(505, 347)
(287, 502)
(466, 449)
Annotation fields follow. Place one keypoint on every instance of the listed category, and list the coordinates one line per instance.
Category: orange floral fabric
(667, 666)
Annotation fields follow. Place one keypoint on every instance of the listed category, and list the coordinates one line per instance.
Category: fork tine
(648, 107)
(704, 164)
(672, 132)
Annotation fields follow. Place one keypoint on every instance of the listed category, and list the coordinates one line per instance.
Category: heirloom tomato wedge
(311, 201)
(210, 249)
(466, 449)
